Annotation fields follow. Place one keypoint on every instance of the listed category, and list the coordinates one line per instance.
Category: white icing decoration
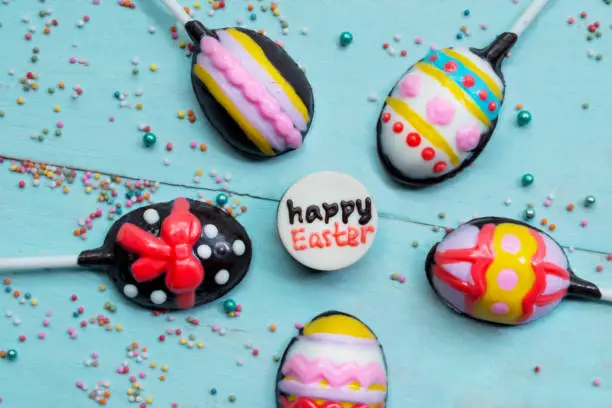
(222, 277)
(159, 297)
(151, 216)
(407, 160)
(337, 352)
(204, 251)
(130, 291)
(331, 188)
(238, 247)
(210, 231)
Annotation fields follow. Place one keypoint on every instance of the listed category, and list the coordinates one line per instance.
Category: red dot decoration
(492, 106)
(483, 95)
(413, 139)
(468, 81)
(398, 127)
(433, 57)
(428, 154)
(386, 117)
(439, 167)
(450, 66)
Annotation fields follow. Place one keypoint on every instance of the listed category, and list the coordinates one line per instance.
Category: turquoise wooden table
(436, 358)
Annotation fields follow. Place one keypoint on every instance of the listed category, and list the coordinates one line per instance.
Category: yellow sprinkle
(88, 190)
(197, 4)
(101, 288)
(130, 391)
(153, 67)
(34, 302)
(198, 172)
(118, 327)
(200, 344)
(135, 386)
(181, 44)
(153, 365)
(66, 190)
(139, 106)
(97, 176)
(164, 368)
(182, 342)
(56, 108)
(20, 101)
(149, 400)
(181, 114)
(276, 12)
(236, 201)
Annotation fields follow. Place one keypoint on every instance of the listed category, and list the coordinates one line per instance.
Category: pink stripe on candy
(233, 71)
(338, 376)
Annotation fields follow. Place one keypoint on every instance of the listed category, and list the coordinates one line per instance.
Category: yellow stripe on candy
(423, 128)
(473, 67)
(458, 93)
(338, 324)
(253, 134)
(257, 53)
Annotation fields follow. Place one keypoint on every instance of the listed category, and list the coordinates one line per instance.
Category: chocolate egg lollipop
(173, 255)
(504, 271)
(336, 361)
(442, 113)
(250, 89)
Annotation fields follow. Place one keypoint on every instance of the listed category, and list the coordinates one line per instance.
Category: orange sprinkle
(192, 119)
(61, 86)
(162, 378)
(519, 106)
(552, 227)
(139, 106)
(46, 30)
(250, 7)
(100, 198)
(243, 208)
(260, 31)
(16, 293)
(76, 232)
(272, 328)
(107, 394)
(215, 6)
(58, 182)
(146, 195)
(7, 281)
(273, 6)
(203, 147)
(190, 112)
(134, 346)
(208, 202)
(144, 349)
(544, 221)
(229, 211)
(2, 354)
(102, 401)
(117, 179)
(36, 176)
(570, 207)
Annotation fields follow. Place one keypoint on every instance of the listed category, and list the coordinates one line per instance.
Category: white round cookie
(327, 221)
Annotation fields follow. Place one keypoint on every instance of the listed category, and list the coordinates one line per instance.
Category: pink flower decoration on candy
(411, 85)
(468, 138)
(440, 111)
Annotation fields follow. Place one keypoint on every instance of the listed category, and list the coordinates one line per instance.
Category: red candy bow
(172, 253)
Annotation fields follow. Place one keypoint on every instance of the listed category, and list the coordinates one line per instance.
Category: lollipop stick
(177, 10)
(528, 16)
(42, 262)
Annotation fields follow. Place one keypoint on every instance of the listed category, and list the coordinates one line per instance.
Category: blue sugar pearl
(459, 36)
(229, 305)
(149, 139)
(138, 193)
(346, 39)
(466, 12)
(119, 211)
(253, 17)
(213, 391)
(28, 296)
(75, 314)
(117, 94)
(129, 195)
(8, 289)
(222, 199)
(527, 179)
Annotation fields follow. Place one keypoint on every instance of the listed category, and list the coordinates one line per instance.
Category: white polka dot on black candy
(210, 231)
(151, 216)
(158, 297)
(204, 251)
(130, 291)
(238, 247)
(222, 277)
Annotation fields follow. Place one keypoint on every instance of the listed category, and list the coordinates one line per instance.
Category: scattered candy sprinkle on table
(97, 118)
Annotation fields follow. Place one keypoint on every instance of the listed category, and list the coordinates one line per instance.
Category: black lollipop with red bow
(173, 255)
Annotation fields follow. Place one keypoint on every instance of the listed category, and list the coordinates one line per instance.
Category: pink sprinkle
(299, 326)
(111, 118)
(547, 203)
(599, 268)
(96, 2)
(236, 314)
(142, 374)
(46, 323)
(137, 184)
(597, 382)
(132, 379)
(584, 223)
(60, 124)
(193, 145)
(41, 335)
(215, 328)
(256, 352)
(402, 279)
(175, 36)
(484, 26)
(79, 384)
(170, 331)
(94, 355)
(73, 60)
(49, 313)
(218, 180)
(418, 40)
(73, 335)
(434, 47)
(128, 203)
(70, 330)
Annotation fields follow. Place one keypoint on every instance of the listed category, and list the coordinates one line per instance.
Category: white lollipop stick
(177, 10)
(528, 16)
(606, 295)
(42, 262)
